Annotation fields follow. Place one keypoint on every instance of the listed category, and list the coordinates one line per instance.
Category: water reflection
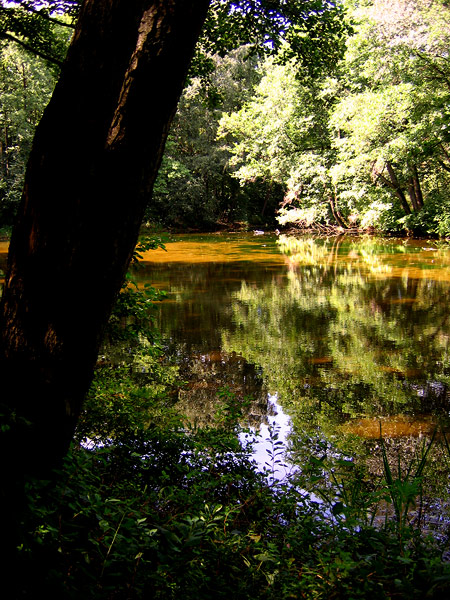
(340, 329)
(208, 373)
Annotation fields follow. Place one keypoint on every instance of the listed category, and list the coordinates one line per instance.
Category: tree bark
(335, 212)
(394, 183)
(90, 175)
(417, 187)
(414, 189)
(412, 194)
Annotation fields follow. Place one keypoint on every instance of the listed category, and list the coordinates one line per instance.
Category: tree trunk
(414, 189)
(412, 194)
(394, 183)
(335, 212)
(417, 187)
(91, 170)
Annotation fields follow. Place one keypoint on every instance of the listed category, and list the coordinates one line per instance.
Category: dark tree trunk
(412, 194)
(417, 187)
(336, 214)
(90, 174)
(395, 185)
(414, 189)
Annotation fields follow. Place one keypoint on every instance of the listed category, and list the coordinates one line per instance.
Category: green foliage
(165, 514)
(312, 31)
(403, 488)
(194, 187)
(43, 29)
(367, 147)
(292, 147)
(341, 127)
(25, 88)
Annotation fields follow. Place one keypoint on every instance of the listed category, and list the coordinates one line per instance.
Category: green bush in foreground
(172, 513)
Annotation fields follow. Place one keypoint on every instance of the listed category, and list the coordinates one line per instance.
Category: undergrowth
(167, 512)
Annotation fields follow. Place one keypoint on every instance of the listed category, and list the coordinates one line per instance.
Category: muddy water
(344, 332)
(342, 335)
(332, 340)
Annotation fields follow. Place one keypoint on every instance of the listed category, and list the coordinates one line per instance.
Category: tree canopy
(39, 27)
(312, 30)
(366, 145)
(38, 32)
(338, 125)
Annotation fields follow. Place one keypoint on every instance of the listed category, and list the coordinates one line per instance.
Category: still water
(342, 335)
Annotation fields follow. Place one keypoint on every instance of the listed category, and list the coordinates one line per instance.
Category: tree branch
(47, 17)
(29, 48)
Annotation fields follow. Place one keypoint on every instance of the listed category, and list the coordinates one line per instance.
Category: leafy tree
(194, 173)
(195, 186)
(34, 37)
(392, 117)
(94, 158)
(312, 31)
(293, 147)
(367, 146)
(25, 88)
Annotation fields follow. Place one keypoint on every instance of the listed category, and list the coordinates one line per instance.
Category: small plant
(276, 454)
(405, 486)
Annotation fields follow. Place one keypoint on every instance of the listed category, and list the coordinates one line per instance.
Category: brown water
(340, 337)
(334, 340)
(345, 332)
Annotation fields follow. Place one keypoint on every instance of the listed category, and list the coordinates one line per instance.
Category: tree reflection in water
(345, 332)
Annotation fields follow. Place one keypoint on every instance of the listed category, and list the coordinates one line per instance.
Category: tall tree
(95, 156)
(90, 174)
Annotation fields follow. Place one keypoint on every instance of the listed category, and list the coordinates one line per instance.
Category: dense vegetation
(367, 145)
(147, 505)
(362, 145)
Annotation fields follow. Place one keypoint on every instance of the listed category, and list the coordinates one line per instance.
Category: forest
(121, 120)
(272, 141)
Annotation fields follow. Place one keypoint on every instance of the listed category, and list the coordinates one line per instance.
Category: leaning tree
(89, 178)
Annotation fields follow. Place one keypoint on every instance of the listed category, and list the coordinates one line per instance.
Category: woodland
(361, 143)
(119, 115)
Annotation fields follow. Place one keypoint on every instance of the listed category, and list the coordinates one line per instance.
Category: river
(331, 339)
(345, 332)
